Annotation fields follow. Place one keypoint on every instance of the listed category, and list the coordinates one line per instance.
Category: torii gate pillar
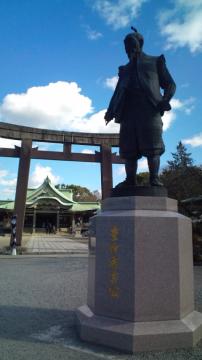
(21, 189)
(106, 170)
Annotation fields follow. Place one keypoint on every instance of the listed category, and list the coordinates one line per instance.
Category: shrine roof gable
(48, 190)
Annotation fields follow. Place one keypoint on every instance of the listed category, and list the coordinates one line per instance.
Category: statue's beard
(133, 54)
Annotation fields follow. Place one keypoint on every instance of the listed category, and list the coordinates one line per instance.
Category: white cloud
(194, 141)
(36, 178)
(142, 166)
(185, 85)
(8, 143)
(5, 179)
(87, 151)
(55, 105)
(93, 34)
(182, 25)
(98, 194)
(120, 171)
(94, 123)
(7, 183)
(3, 173)
(39, 174)
(185, 106)
(168, 119)
(8, 192)
(59, 106)
(119, 13)
(176, 104)
(111, 82)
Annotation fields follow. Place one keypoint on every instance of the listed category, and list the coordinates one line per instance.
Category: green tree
(80, 193)
(181, 158)
(181, 178)
(143, 178)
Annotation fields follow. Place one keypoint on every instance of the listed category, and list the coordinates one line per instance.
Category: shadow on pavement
(47, 326)
(25, 322)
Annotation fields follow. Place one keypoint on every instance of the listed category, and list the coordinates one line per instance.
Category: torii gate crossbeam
(25, 153)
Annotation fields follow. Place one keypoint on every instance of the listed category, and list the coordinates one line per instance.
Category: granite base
(140, 283)
(139, 336)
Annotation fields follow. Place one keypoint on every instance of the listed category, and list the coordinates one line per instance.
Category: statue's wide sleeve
(117, 101)
(166, 81)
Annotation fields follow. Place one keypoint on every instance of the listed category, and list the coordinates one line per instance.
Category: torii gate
(25, 153)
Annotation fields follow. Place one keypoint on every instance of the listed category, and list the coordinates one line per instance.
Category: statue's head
(133, 42)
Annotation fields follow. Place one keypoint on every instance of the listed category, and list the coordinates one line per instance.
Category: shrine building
(47, 204)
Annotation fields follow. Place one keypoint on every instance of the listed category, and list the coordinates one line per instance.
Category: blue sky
(58, 68)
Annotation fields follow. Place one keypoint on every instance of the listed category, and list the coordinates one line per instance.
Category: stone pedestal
(140, 294)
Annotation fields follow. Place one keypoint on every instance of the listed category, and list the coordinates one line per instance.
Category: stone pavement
(46, 244)
(38, 296)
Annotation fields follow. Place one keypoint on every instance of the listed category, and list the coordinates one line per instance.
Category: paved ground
(55, 244)
(38, 296)
(50, 244)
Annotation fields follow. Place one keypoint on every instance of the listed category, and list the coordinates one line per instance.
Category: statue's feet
(126, 183)
(155, 181)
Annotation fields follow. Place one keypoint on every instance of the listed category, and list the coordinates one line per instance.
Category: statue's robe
(134, 105)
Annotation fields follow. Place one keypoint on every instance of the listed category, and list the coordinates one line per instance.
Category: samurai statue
(138, 105)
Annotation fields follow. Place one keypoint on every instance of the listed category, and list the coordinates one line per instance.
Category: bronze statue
(137, 104)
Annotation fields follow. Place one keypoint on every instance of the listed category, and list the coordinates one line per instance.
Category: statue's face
(131, 46)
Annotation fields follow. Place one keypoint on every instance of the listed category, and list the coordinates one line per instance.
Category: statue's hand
(107, 118)
(163, 106)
